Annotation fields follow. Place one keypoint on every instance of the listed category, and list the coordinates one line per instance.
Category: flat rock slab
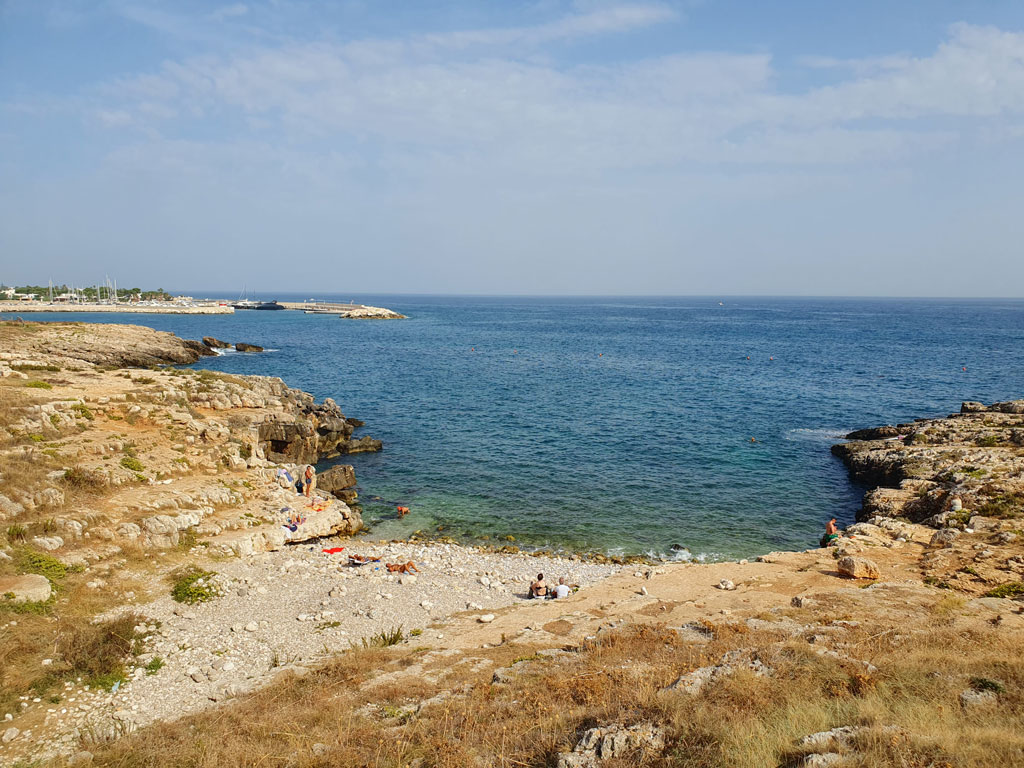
(30, 588)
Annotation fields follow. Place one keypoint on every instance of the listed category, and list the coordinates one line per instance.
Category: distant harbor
(345, 310)
(156, 307)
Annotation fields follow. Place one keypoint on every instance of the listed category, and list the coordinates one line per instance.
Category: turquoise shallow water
(624, 424)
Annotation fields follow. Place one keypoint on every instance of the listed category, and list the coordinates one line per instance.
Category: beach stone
(29, 588)
(725, 584)
(956, 504)
(487, 618)
(10, 735)
(858, 568)
(252, 626)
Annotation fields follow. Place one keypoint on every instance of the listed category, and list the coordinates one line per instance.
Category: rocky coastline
(943, 471)
(135, 491)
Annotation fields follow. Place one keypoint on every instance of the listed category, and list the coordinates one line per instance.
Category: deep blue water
(625, 424)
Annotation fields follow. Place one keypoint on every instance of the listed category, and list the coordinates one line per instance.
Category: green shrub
(36, 384)
(194, 585)
(1004, 505)
(130, 462)
(1011, 589)
(16, 532)
(985, 684)
(84, 479)
(154, 666)
(31, 561)
(82, 411)
(988, 441)
(384, 638)
(36, 367)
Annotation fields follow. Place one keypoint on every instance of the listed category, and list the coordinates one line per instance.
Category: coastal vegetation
(897, 709)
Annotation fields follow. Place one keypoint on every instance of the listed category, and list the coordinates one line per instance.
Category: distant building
(67, 297)
(8, 292)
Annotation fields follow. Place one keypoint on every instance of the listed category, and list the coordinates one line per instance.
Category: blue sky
(704, 147)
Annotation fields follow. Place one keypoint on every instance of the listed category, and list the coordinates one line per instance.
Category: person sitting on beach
(309, 481)
(562, 590)
(539, 588)
(831, 533)
(294, 521)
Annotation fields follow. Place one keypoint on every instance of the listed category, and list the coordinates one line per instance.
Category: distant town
(62, 294)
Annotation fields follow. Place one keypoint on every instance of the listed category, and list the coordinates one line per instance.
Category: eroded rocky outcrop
(164, 456)
(943, 471)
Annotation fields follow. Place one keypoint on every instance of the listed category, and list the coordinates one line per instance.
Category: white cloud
(517, 115)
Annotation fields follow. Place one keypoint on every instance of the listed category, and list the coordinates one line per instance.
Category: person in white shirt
(562, 590)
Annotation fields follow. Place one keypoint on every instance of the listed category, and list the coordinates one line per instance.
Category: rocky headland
(144, 516)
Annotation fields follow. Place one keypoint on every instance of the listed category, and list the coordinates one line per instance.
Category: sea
(677, 428)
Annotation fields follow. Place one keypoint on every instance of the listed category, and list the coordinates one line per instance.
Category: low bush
(84, 479)
(194, 585)
(36, 384)
(98, 652)
(1011, 589)
(130, 462)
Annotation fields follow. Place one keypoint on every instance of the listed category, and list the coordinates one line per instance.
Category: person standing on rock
(309, 481)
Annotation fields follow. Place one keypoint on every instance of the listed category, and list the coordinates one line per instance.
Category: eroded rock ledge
(958, 471)
(99, 452)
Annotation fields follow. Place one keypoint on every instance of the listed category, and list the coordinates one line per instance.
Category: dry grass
(741, 720)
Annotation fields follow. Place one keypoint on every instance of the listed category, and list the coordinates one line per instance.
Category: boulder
(49, 543)
(213, 343)
(1011, 406)
(858, 568)
(944, 537)
(362, 445)
(200, 349)
(243, 347)
(29, 588)
(337, 478)
(970, 406)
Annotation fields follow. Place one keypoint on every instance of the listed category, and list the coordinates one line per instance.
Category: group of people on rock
(540, 589)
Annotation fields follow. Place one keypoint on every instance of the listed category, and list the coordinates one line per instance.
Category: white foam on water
(817, 435)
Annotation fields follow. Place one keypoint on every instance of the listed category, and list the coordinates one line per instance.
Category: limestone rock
(363, 445)
(200, 349)
(613, 741)
(29, 588)
(214, 343)
(858, 568)
(243, 347)
(970, 699)
(944, 537)
(10, 735)
(337, 478)
(49, 543)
